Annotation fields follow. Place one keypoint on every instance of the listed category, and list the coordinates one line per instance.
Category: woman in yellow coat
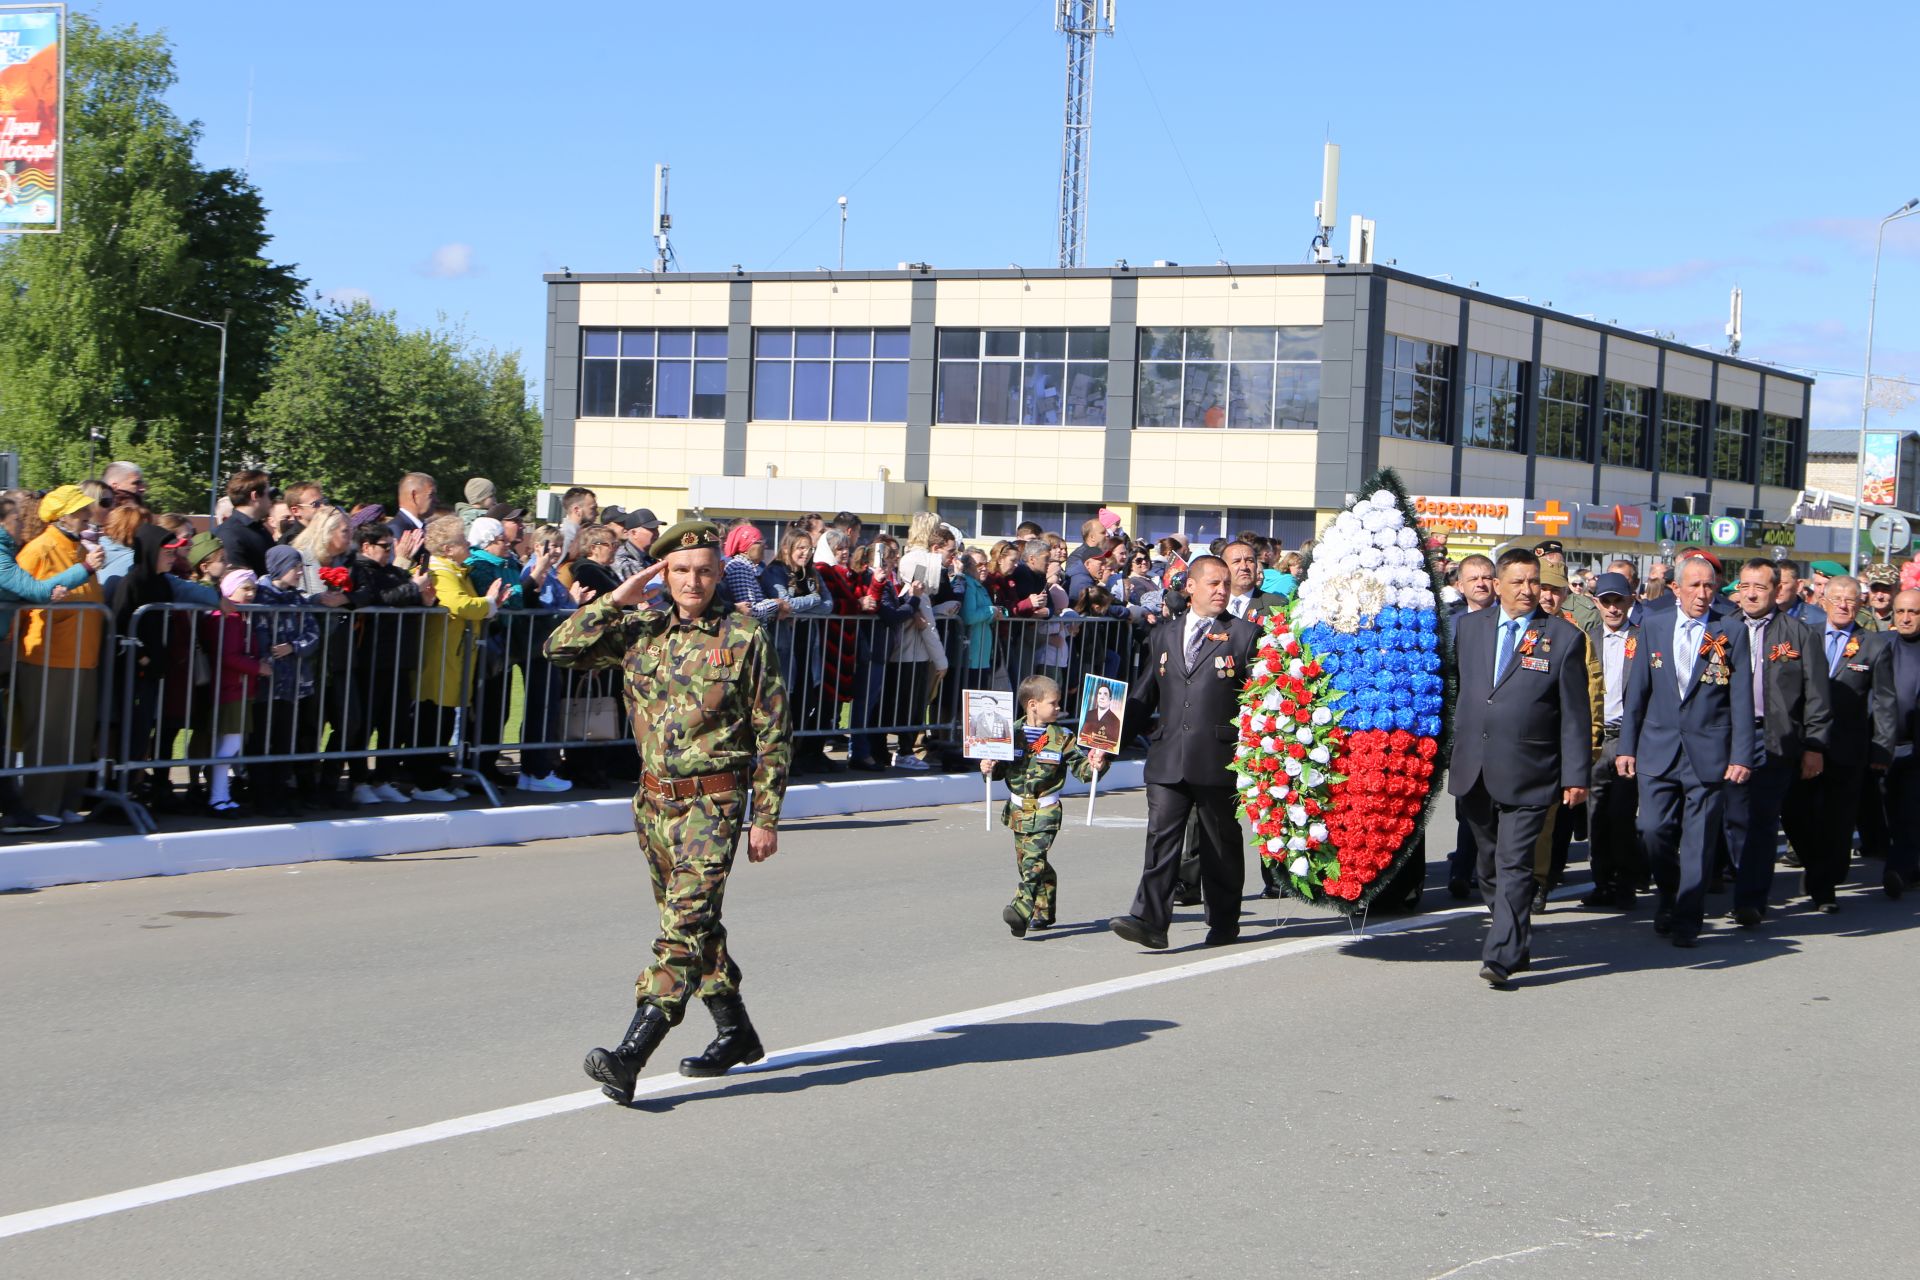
(57, 682)
(446, 662)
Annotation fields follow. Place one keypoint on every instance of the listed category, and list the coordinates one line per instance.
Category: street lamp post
(219, 402)
(1866, 385)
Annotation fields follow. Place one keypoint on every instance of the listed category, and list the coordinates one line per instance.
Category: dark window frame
(701, 367)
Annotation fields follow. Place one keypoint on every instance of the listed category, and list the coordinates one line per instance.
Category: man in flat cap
(709, 720)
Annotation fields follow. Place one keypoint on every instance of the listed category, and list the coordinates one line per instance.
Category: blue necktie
(1689, 652)
(1504, 654)
(1834, 641)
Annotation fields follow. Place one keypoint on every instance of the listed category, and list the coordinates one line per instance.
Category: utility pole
(1080, 21)
(663, 258)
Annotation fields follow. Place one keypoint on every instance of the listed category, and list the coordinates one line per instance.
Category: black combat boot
(736, 1044)
(617, 1069)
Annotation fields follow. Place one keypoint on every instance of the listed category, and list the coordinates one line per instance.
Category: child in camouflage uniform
(1043, 752)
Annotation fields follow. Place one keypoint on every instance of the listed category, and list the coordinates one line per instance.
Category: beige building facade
(1199, 400)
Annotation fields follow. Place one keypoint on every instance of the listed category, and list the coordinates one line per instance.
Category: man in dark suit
(1686, 731)
(1788, 600)
(1903, 777)
(1196, 665)
(1522, 739)
(1614, 852)
(1246, 600)
(1821, 811)
(1788, 680)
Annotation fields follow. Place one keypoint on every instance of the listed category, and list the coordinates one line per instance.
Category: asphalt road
(1285, 1107)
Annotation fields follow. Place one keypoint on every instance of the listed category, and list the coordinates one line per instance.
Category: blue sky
(1631, 161)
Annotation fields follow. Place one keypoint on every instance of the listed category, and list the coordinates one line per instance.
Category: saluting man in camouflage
(709, 719)
(1043, 754)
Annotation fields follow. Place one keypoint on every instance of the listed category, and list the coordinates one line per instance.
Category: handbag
(592, 719)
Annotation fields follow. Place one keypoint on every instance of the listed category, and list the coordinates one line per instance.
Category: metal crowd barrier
(56, 678)
(296, 696)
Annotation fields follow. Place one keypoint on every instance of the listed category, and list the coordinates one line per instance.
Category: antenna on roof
(1733, 325)
(663, 258)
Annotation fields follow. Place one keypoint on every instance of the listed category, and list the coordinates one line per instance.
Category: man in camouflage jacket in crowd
(709, 719)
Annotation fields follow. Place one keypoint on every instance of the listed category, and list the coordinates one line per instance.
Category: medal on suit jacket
(1853, 646)
(1714, 649)
(1633, 644)
(1782, 650)
(1653, 659)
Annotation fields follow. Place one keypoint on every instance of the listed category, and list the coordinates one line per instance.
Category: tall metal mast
(1080, 21)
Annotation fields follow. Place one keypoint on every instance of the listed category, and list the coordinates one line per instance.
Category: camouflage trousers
(689, 846)
(1032, 840)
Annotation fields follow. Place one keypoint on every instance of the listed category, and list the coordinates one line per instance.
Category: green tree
(355, 402)
(144, 226)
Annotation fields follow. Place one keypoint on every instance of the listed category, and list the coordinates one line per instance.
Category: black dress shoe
(1747, 917)
(1016, 923)
(1460, 890)
(1894, 883)
(1663, 921)
(1222, 937)
(1186, 897)
(1526, 963)
(1494, 976)
(1828, 908)
(1600, 899)
(1135, 931)
(1540, 900)
(1686, 940)
(1269, 890)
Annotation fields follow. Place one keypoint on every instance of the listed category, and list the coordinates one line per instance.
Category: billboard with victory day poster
(32, 66)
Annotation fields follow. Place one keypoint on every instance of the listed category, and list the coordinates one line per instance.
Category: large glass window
(1682, 430)
(1495, 385)
(653, 373)
(1031, 377)
(1563, 411)
(1416, 387)
(1624, 424)
(1249, 376)
(1778, 435)
(830, 375)
(1732, 438)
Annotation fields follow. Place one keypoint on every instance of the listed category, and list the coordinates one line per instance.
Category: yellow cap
(64, 501)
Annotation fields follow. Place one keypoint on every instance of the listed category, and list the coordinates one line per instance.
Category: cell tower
(1080, 21)
(663, 259)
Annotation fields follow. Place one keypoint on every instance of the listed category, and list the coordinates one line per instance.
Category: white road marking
(483, 1121)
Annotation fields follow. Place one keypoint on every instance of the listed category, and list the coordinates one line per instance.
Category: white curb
(38, 866)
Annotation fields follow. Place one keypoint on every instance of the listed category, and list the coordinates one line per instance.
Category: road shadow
(851, 824)
(991, 1042)
(1571, 945)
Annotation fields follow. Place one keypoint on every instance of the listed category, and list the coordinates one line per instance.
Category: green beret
(686, 535)
(1832, 568)
(202, 546)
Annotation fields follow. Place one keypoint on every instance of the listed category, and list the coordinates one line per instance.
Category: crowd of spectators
(388, 638)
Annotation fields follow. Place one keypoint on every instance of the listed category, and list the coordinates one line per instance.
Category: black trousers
(1223, 867)
(1753, 827)
(1820, 816)
(1875, 838)
(1903, 816)
(1504, 835)
(1614, 853)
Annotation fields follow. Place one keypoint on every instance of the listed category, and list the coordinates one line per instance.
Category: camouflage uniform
(705, 698)
(1035, 775)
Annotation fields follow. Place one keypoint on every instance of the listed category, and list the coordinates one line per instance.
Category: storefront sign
(1552, 517)
(1727, 531)
(31, 66)
(1623, 520)
(1771, 533)
(1677, 528)
(1497, 517)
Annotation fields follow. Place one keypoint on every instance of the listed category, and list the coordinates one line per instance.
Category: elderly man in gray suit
(1522, 738)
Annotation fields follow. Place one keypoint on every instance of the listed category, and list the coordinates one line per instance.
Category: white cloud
(450, 262)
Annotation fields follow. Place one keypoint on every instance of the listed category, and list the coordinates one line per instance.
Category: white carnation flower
(1279, 792)
(1247, 782)
(1372, 558)
(1318, 755)
(1296, 815)
(1260, 670)
(1300, 867)
(1317, 831)
(1270, 703)
(1408, 537)
(1241, 751)
(1266, 744)
(1292, 767)
(1303, 735)
(1298, 844)
(1275, 844)
(1322, 715)
(1382, 498)
(1314, 777)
